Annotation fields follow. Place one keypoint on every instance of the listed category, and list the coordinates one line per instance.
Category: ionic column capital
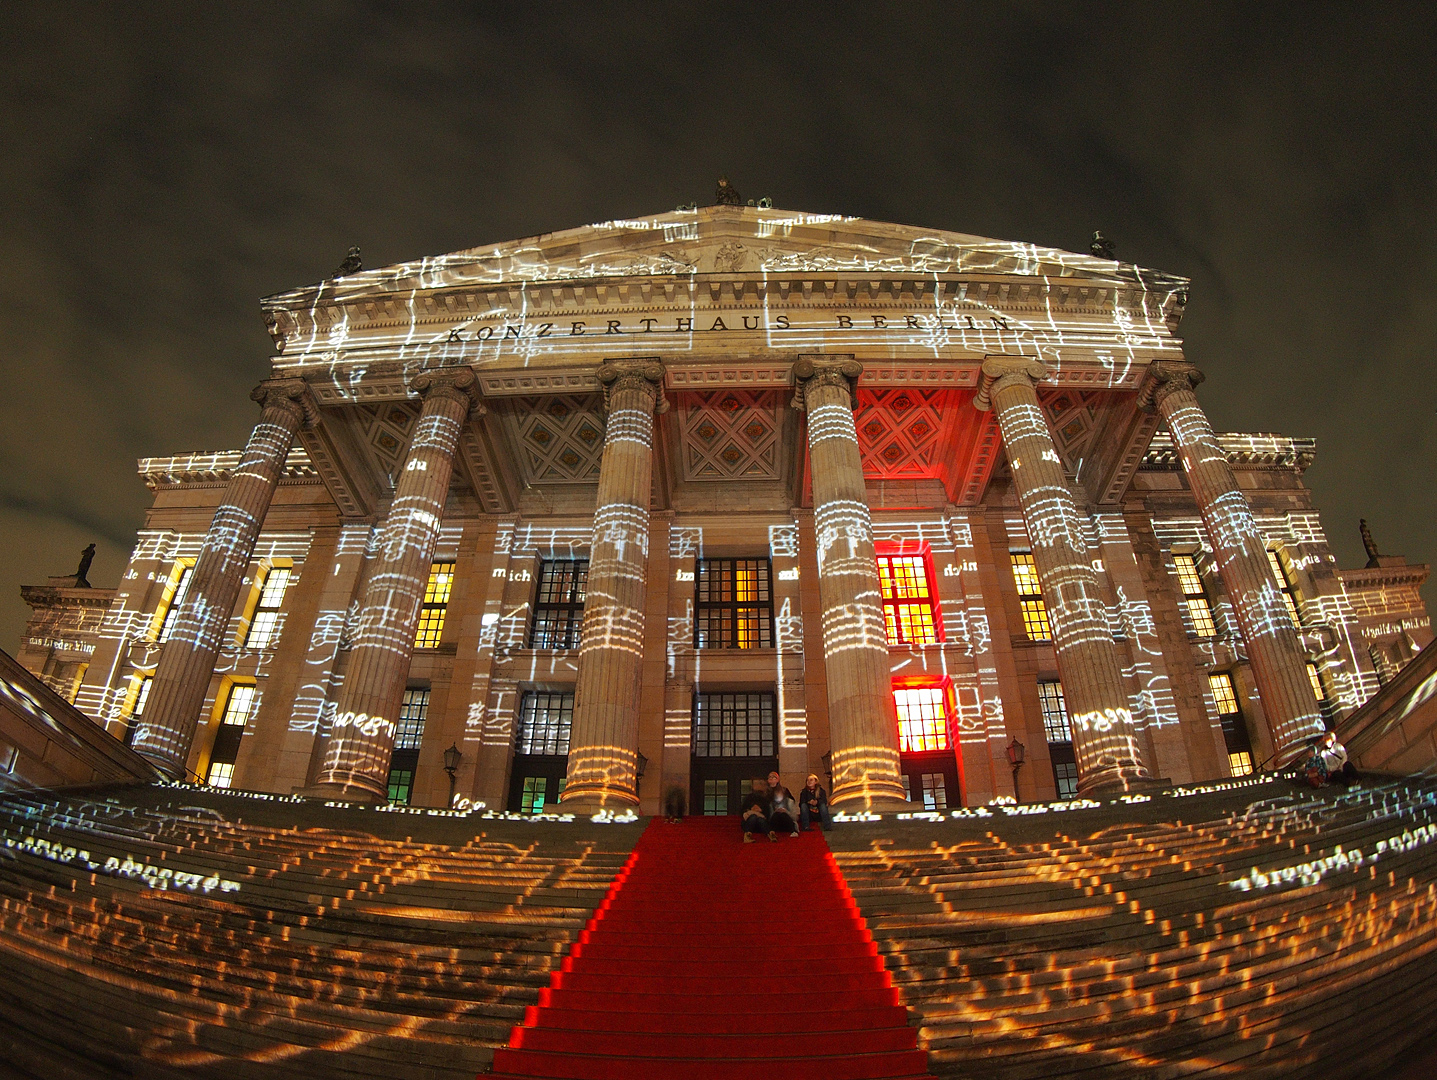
(1165, 377)
(455, 383)
(642, 373)
(1002, 371)
(289, 394)
(817, 370)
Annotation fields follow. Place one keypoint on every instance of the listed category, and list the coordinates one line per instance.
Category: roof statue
(727, 194)
(1373, 555)
(1102, 247)
(352, 264)
(86, 558)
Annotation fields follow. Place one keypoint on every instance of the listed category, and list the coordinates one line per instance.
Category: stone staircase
(184, 937)
(1291, 935)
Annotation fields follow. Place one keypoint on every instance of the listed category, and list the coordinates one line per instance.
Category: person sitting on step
(782, 809)
(753, 814)
(1334, 755)
(813, 806)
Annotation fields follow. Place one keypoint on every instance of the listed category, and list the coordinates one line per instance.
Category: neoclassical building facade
(647, 508)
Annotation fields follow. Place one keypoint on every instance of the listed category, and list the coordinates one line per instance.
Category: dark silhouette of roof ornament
(352, 264)
(1102, 247)
(727, 194)
(1373, 555)
(82, 580)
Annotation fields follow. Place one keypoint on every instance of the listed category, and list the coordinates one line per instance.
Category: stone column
(862, 718)
(355, 761)
(187, 662)
(1104, 736)
(1273, 647)
(604, 738)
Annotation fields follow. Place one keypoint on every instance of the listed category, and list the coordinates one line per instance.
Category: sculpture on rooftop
(1102, 247)
(352, 264)
(86, 558)
(1367, 542)
(727, 194)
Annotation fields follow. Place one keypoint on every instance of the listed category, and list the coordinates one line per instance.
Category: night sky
(164, 168)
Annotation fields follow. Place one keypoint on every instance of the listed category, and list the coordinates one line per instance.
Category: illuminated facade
(656, 506)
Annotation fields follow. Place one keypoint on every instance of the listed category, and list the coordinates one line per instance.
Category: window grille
(734, 725)
(177, 598)
(1055, 711)
(908, 600)
(922, 719)
(1194, 595)
(265, 620)
(715, 798)
(435, 606)
(935, 791)
(1285, 585)
(734, 604)
(413, 711)
(559, 604)
(401, 785)
(1065, 776)
(1030, 597)
(544, 722)
(532, 800)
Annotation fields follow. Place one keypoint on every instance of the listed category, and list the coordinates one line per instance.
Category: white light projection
(863, 720)
(1279, 664)
(1104, 732)
(603, 749)
(182, 676)
(787, 635)
(357, 750)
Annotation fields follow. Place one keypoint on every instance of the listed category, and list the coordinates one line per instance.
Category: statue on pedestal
(86, 558)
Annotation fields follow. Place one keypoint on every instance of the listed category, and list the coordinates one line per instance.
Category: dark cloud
(163, 168)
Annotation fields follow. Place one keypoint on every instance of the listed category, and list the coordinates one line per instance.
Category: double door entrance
(720, 784)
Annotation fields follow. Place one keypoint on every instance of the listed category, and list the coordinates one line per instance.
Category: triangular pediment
(720, 240)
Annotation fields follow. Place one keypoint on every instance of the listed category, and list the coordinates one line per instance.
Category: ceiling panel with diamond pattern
(730, 434)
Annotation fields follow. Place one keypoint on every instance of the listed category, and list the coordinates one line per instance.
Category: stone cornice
(1414, 575)
(1242, 450)
(215, 468)
(38, 596)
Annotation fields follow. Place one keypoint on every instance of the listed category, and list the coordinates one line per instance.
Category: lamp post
(640, 764)
(827, 760)
(1016, 752)
(452, 757)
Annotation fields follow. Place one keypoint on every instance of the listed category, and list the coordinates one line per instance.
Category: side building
(650, 508)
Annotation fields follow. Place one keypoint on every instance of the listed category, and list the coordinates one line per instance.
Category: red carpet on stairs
(711, 958)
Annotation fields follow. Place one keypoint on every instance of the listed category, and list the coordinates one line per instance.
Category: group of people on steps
(771, 810)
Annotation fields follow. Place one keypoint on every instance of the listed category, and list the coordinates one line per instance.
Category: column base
(341, 793)
(591, 802)
(876, 805)
(1139, 785)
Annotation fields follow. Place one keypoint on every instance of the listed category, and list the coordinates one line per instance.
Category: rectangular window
(1316, 681)
(935, 791)
(1194, 595)
(1065, 776)
(532, 800)
(908, 599)
(1030, 597)
(1285, 586)
(177, 598)
(922, 719)
(225, 751)
(1234, 728)
(734, 604)
(436, 603)
(413, 710)
(265, 621)
(1055, 711)
(559, 604)
(715, 798)
(401, 785)
(734, 725)
(408, 737)
(138, 710)
(544, 722)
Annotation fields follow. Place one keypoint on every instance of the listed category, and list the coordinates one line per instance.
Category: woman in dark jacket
(813, 805)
